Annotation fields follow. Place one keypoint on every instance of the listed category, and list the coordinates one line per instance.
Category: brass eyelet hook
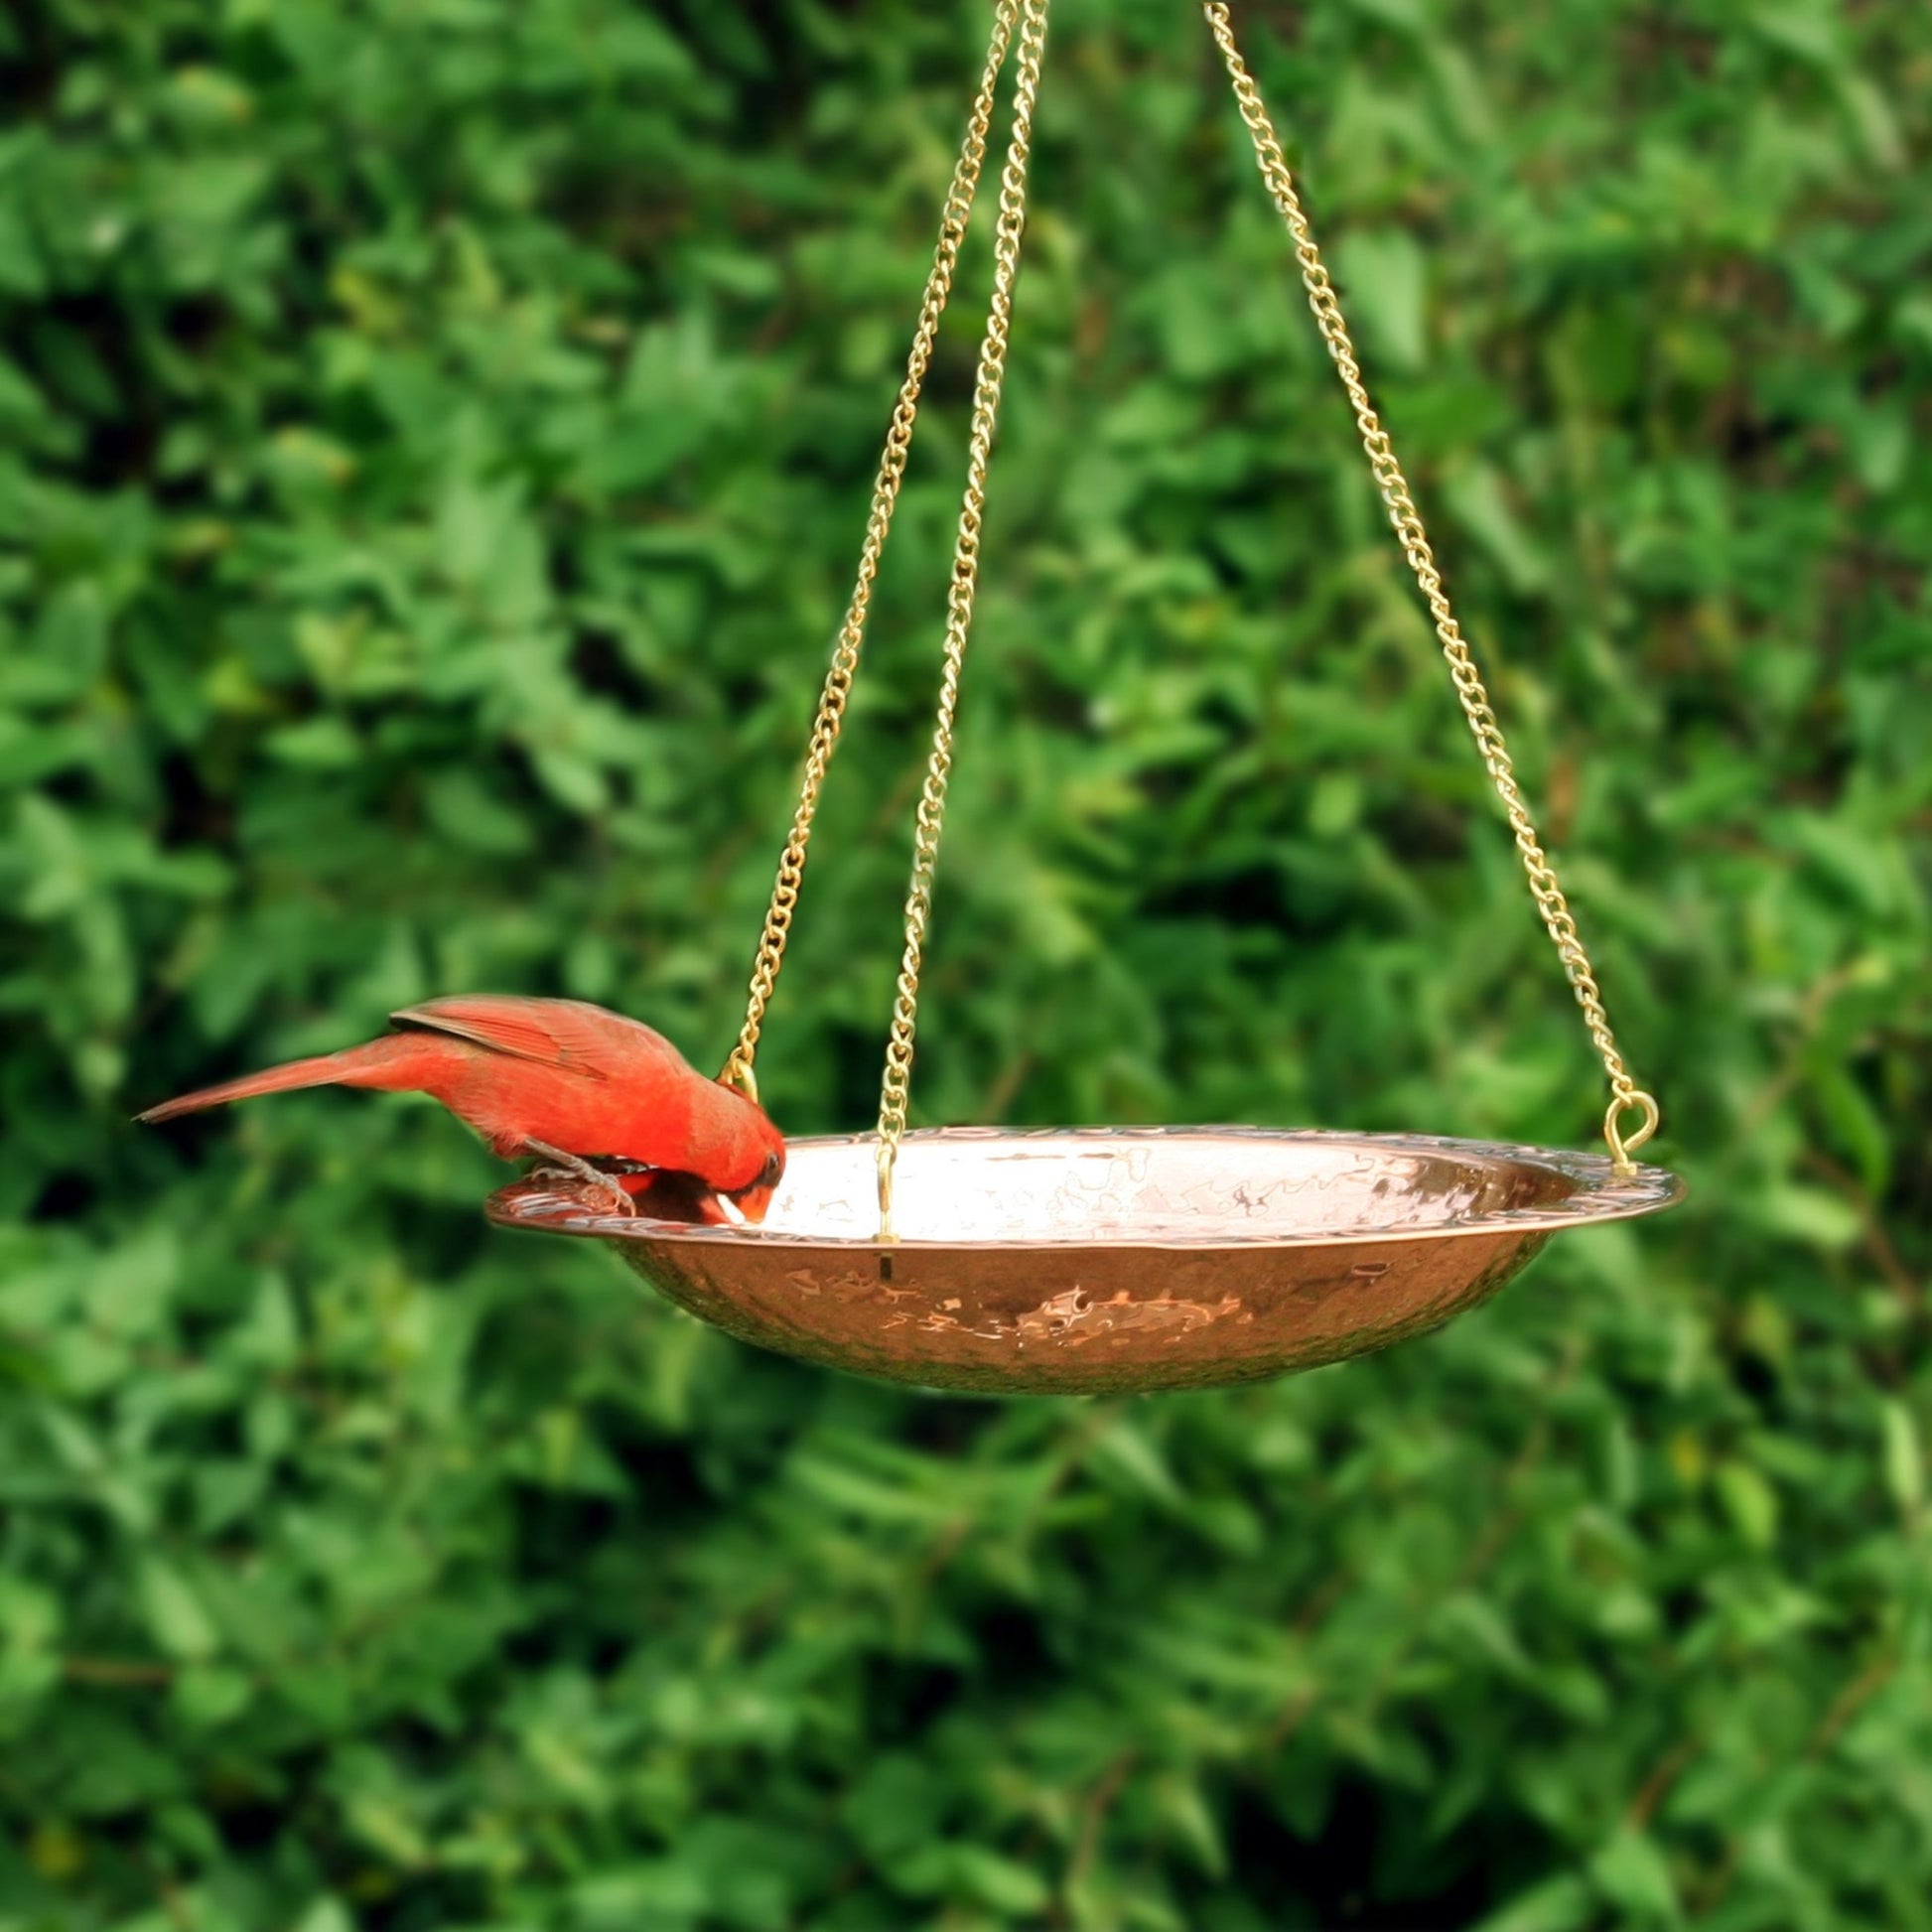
(1621, 1149)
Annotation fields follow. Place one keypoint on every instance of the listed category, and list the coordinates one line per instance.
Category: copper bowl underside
(1078, 1260)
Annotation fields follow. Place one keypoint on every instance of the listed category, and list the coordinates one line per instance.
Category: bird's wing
(564, 1033)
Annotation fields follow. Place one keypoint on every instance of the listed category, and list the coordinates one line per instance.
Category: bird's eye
(775, 1166)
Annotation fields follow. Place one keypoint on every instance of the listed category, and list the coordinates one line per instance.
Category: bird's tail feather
(393, 1063)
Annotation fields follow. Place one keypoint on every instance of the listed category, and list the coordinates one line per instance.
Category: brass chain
(1391, 483)
(739, 1070)
(1394, 489)
(895, 1083)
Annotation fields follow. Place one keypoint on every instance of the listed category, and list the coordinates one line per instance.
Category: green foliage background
(435, 444)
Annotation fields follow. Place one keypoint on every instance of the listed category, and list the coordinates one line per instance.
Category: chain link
(1393, 485)
(896, 1084)
(739, 1070)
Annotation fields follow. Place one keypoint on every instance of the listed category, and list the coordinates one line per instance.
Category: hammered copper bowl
(1081, 1261)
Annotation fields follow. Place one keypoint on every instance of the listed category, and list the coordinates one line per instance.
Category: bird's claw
(560, 1166)
(593, 1185)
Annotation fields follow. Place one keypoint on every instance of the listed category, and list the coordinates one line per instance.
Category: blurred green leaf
(174, 1615)
(1383, 278)
(434, 441)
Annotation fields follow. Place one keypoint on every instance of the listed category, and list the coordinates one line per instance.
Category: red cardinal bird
(565, 1082)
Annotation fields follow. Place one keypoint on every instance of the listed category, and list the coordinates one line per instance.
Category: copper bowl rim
(1598, 1194)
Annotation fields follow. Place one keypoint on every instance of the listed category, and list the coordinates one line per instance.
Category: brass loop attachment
(1620, 1147)
(887, 1164)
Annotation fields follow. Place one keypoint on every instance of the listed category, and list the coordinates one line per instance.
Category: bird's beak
(752, 1204)
(746, 1208)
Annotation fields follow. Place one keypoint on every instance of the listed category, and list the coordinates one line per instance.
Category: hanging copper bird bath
(1107, 1258)
(1075, 1263)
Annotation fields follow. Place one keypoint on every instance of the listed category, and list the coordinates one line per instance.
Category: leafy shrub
(435, 445)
